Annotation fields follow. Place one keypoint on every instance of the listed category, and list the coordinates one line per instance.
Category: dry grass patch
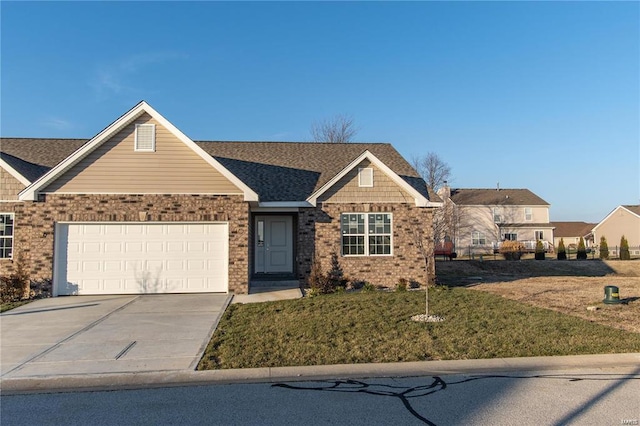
(563, 286)
(572, 295)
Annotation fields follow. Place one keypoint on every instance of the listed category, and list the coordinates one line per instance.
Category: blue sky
(537, 95)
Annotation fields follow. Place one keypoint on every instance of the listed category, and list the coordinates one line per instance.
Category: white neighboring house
(479, 220)
(623, 220)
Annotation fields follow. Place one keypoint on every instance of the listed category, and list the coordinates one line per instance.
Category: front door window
(274, 244)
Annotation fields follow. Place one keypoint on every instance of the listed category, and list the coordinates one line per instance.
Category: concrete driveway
(108, 334)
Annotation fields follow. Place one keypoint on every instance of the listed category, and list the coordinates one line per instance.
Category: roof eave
(13, 172)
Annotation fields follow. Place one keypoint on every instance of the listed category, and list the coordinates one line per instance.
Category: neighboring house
(479, 220)
(141, 208)
(570, 232)
(623, 220)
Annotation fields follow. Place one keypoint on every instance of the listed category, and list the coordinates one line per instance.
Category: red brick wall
(35, 224)
(411, 225)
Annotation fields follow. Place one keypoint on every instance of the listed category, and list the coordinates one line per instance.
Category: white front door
(274, 244)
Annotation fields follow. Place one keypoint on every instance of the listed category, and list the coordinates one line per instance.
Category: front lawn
(377, 327)
(10, 305)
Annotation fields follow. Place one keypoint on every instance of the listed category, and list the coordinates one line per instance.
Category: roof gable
(420, 200)
(31, 192)
(631, 209)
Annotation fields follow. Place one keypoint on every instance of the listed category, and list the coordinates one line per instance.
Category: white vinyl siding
(145, 138)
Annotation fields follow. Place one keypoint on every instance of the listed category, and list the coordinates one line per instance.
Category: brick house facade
(300, 191)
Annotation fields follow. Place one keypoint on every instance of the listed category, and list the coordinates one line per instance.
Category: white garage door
(99, 258)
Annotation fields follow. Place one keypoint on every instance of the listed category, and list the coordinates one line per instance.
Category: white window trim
(481, 236)
(13, 232)
(153, 138)
(367, 235)
(361, 172)
(530, 215)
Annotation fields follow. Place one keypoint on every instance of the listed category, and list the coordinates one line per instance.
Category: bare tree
(339, 129)
(432, 169)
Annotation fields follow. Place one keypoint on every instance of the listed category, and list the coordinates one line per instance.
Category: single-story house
(570, 233)
(142, 208)
(623, 220)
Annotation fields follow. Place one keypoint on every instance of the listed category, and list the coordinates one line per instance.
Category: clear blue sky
(538, 95)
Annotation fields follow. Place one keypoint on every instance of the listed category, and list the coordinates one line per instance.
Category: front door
(274, 244)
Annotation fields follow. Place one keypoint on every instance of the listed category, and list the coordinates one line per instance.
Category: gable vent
(365, 177)
(145, 137)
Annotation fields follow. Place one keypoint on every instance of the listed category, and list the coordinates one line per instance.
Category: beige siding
(384, 190)
(516, 214)
(9, 186)
(620, 223)
(115, 167)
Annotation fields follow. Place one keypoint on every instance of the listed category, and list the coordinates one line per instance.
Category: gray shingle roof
(277, 171)
(572, 229)
(494, 197)
(633, 208)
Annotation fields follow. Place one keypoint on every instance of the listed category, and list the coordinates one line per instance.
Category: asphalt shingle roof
(572, 229)
(495, 197)
(635, 209)
(277, 171)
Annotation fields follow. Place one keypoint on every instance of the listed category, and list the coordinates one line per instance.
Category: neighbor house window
(497, 217)
(478, 239)
(365, 178)
(145, 137)
(528, 214)
(366, 234)
(6, 235)
(510, 236)
(539, 235)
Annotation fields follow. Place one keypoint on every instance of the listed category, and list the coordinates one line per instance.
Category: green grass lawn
(10, 305)
(377, 327)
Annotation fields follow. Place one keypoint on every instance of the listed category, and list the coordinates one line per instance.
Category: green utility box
(611, 294)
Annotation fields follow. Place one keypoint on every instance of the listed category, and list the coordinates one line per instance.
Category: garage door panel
(141, 258)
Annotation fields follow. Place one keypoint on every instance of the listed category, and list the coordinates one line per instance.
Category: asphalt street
(608, 396)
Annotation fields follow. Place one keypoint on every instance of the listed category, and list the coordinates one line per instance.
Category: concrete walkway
(82, 335)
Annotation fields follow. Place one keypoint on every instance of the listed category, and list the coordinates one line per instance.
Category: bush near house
(624, 249)
(562, 252)
(582, 250)
(15, 287)
(604, 248)
(539, 250)
(512, 250)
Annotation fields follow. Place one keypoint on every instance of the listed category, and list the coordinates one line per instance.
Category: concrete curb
(117, 381)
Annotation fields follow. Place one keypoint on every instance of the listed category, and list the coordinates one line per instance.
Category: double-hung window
(6, 235)
(478, 239)
(528, 214)
(366, 234)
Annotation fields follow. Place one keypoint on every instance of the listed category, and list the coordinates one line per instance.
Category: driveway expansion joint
(66, 339)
